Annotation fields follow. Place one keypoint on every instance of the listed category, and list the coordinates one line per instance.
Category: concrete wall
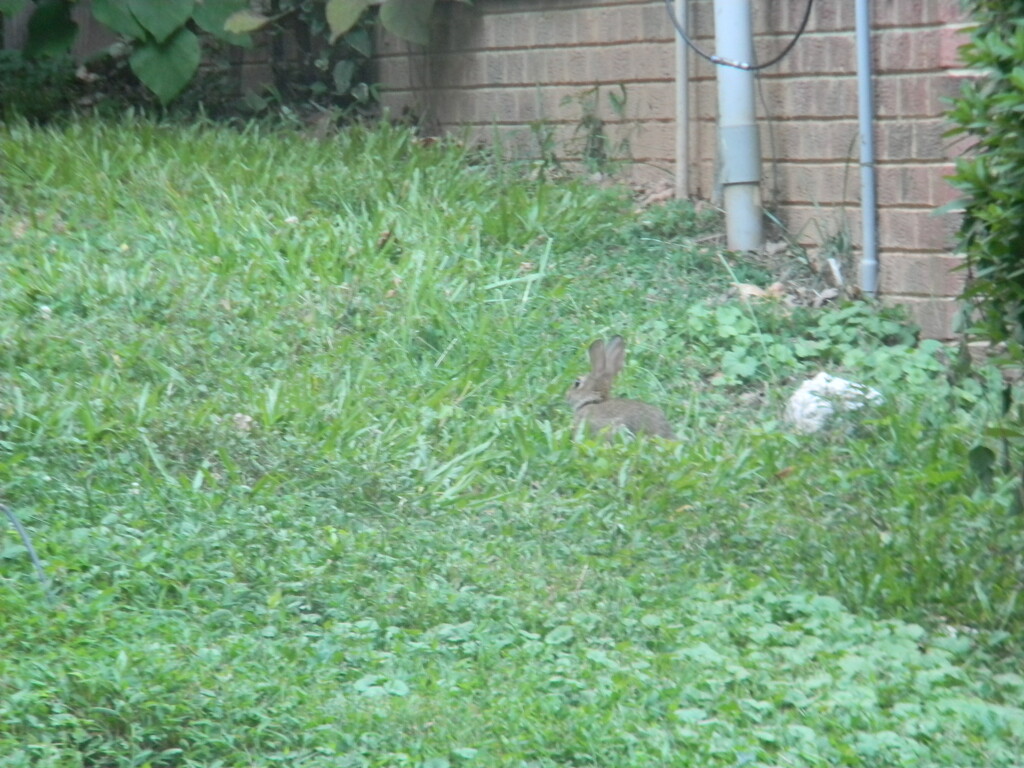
(524, 72)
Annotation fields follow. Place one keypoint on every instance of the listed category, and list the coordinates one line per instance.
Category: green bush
(991, 176)
(320, 50)
(35, 89)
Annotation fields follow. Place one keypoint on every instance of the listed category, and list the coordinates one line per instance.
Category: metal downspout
(682, 104)
(738, 144)
(865, 118)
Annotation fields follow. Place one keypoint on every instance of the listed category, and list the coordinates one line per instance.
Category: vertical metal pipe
(865, 119)
(682, 104)
(738, 144)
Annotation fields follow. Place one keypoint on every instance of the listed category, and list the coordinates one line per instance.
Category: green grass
(285, 420)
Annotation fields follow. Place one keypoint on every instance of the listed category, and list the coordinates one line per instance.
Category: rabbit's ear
(615, 355)
(596, 353)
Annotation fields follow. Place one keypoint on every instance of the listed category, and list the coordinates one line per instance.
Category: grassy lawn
(285, 421)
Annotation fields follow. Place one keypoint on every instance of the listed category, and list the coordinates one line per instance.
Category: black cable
(40, 573)
(738, 64)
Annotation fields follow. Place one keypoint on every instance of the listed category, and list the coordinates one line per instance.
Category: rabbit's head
(605, 363)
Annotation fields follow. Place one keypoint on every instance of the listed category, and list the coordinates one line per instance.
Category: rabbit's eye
(576, 384)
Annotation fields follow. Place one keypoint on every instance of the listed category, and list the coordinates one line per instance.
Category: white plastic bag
(817, 400)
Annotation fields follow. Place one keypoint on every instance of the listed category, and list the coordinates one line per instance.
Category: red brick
(845, 135)
(951, 12)
(815, 55)
(655, 24)
(586, 25)
(630, 25)
(602, 25)
(937, 317)
(554, 64)
(825, 16)
(942, 189)
(892, 50)
(702, 18)
(577, 66)
(815, 184)
(927, 47)
(515, 68)
(527, 105)
(841, 55)
(816, 225)
(897, 229)
(903, 13)
(564, 26)
(654, 142)
(916, 229)
(907, 184)
(652, 61)
(912, 274)
(545, 32)
(917, 96)
(929, 140)
(894, 140)
(609, 63)
(494, 67)
(950, 40)
(497, 32)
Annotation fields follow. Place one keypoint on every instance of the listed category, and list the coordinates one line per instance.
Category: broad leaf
(342, 75)
(212, 15)
(116, 15)
(408, 19)
(360, 41)
(560, 635)
(342, 15)
(51, 31)
(162, 19)
(245, 21)
(166, 68)
(11, 7)
(360, 92)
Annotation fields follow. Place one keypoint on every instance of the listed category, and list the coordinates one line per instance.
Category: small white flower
(243, 422)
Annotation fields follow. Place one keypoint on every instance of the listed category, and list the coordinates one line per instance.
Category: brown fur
(593, 405)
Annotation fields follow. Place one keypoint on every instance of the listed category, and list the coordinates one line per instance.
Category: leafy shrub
(35, 89)
(991, 177)
(991, 174)
(749, 342)
(320, 49)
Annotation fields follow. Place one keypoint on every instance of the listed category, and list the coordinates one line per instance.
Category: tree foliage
(166, 35)
(990, 110)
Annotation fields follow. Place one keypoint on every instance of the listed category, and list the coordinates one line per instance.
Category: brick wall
(520, 71)
(498, 66)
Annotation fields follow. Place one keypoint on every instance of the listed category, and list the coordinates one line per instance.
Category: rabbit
(591, 401)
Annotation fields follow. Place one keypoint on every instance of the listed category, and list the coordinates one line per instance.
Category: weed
(596, 148)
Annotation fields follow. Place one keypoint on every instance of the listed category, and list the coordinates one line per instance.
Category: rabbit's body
(619, 413)
(591, 398)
